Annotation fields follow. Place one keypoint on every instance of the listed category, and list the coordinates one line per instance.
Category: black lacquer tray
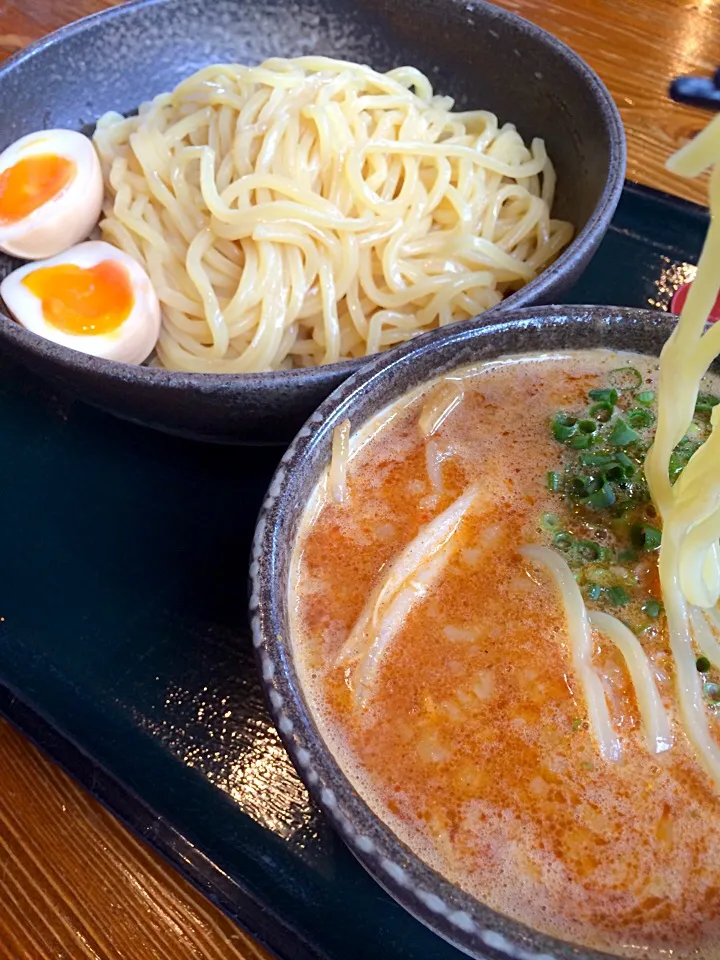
(125, 653)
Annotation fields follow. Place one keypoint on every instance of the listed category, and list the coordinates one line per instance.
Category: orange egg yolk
(83, 301)
(30, 183)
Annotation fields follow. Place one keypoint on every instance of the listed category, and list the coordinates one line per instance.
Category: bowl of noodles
(301, 188)
(485, 601)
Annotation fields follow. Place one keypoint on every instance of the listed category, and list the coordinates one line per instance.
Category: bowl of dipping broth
(220, 209)
(489, 658)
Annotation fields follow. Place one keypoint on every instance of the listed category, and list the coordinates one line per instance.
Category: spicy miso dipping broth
(506, 642)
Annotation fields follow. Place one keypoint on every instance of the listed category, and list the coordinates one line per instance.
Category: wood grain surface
(74, 883)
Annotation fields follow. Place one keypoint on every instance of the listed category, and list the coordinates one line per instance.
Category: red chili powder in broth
(474, 748)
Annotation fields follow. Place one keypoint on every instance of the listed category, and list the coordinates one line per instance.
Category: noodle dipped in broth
(311, 210)
(449, 689)
(508, 627)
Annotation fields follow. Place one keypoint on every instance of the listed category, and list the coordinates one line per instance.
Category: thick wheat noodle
(339, 461)
(310, 210)
(439, 405)
(581, 646)
(655, 720)
(405, 583)
(689, 563)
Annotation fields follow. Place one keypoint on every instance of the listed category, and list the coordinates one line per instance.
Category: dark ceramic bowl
(480, 54)
(454, 915)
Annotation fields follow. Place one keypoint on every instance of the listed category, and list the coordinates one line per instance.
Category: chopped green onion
(581, 441)
(639, 418)
(681, 455)
(594, 591)
(618, 473)
(601, 411)
(652, 608)
(626, 463)
(627, 556)
(646, 397)
(617, 596)
(563, 426)
(563, 541)
(606, 395)
(597, 459)
(587, 550)
(637, 536)
(587, 426)
(626, 378)
(602, 498)
(577, 724)
(646, 537)
(579, 486)
(705, 402)
(553, 481)
(619, 525)
(622, 435)
(583, 486)
(653, 537)
(549, 521)
(702, 664)
(712, 691)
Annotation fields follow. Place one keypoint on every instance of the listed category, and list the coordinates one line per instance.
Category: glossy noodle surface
(311, 210)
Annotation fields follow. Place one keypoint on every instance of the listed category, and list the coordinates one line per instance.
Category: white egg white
(132, 342)
(68, 217)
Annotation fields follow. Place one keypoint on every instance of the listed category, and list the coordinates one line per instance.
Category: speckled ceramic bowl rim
(459, 918)
(588, 237)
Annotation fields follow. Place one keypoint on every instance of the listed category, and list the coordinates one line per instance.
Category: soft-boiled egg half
(93, 298)
(51, 193)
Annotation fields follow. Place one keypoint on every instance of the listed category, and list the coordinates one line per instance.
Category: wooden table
(74, 883)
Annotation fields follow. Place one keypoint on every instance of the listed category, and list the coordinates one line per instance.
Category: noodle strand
(403, 216)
